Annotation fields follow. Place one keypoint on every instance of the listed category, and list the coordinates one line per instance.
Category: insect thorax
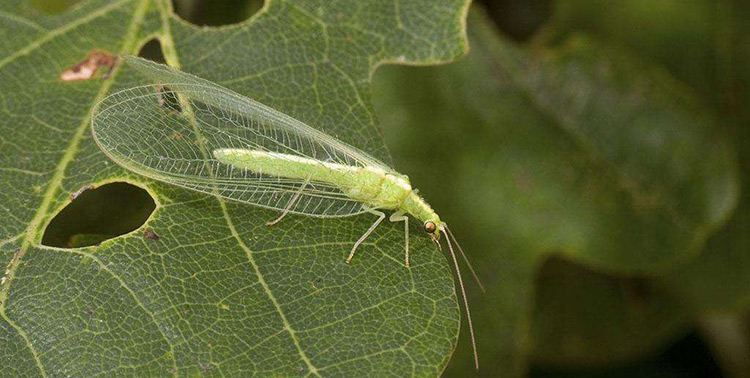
(419, 208)
(379, 189)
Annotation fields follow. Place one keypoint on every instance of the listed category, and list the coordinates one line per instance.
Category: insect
(233, 147)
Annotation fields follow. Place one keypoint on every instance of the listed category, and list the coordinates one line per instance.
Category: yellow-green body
(372, 186)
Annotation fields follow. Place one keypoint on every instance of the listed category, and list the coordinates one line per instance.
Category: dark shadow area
(519, 19)
(216, 12)
(99, 214)
(689, 357)
(574, 302)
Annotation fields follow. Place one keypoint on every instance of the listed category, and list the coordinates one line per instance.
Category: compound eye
(430, 227)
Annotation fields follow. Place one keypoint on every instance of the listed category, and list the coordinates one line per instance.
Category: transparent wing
(167, 131)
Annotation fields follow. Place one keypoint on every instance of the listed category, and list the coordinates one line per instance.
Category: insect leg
(381, 216)
(400, 217)
(289, 205)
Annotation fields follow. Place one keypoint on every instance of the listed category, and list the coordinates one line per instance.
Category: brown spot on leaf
(87, 68)
(78, 192)
(150, 235)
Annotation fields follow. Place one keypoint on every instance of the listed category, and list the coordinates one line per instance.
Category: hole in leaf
(98, 214)
(168, 100)
(216, 12)
(151, 50)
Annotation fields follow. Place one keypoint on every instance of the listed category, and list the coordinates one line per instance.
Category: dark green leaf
(583, 151)
(217, 292)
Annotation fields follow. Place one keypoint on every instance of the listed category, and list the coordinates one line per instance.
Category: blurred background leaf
(582, 145)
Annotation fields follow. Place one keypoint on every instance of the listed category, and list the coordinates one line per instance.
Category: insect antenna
(463, 294)
(466, 260)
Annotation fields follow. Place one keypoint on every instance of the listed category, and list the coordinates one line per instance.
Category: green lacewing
(190, 132)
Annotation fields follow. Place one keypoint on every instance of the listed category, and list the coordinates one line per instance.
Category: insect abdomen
(369, 185)
(284, 165)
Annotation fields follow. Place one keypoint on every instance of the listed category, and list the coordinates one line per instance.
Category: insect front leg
(367, 233)
(400, 217)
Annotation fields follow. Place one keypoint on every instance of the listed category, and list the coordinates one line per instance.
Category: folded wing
(167, 131)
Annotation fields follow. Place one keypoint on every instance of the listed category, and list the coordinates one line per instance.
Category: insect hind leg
(367, 233)
(400, 217)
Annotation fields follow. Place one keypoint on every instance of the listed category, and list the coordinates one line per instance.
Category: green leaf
(217, 292)
(706, 45)
(582, 151)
